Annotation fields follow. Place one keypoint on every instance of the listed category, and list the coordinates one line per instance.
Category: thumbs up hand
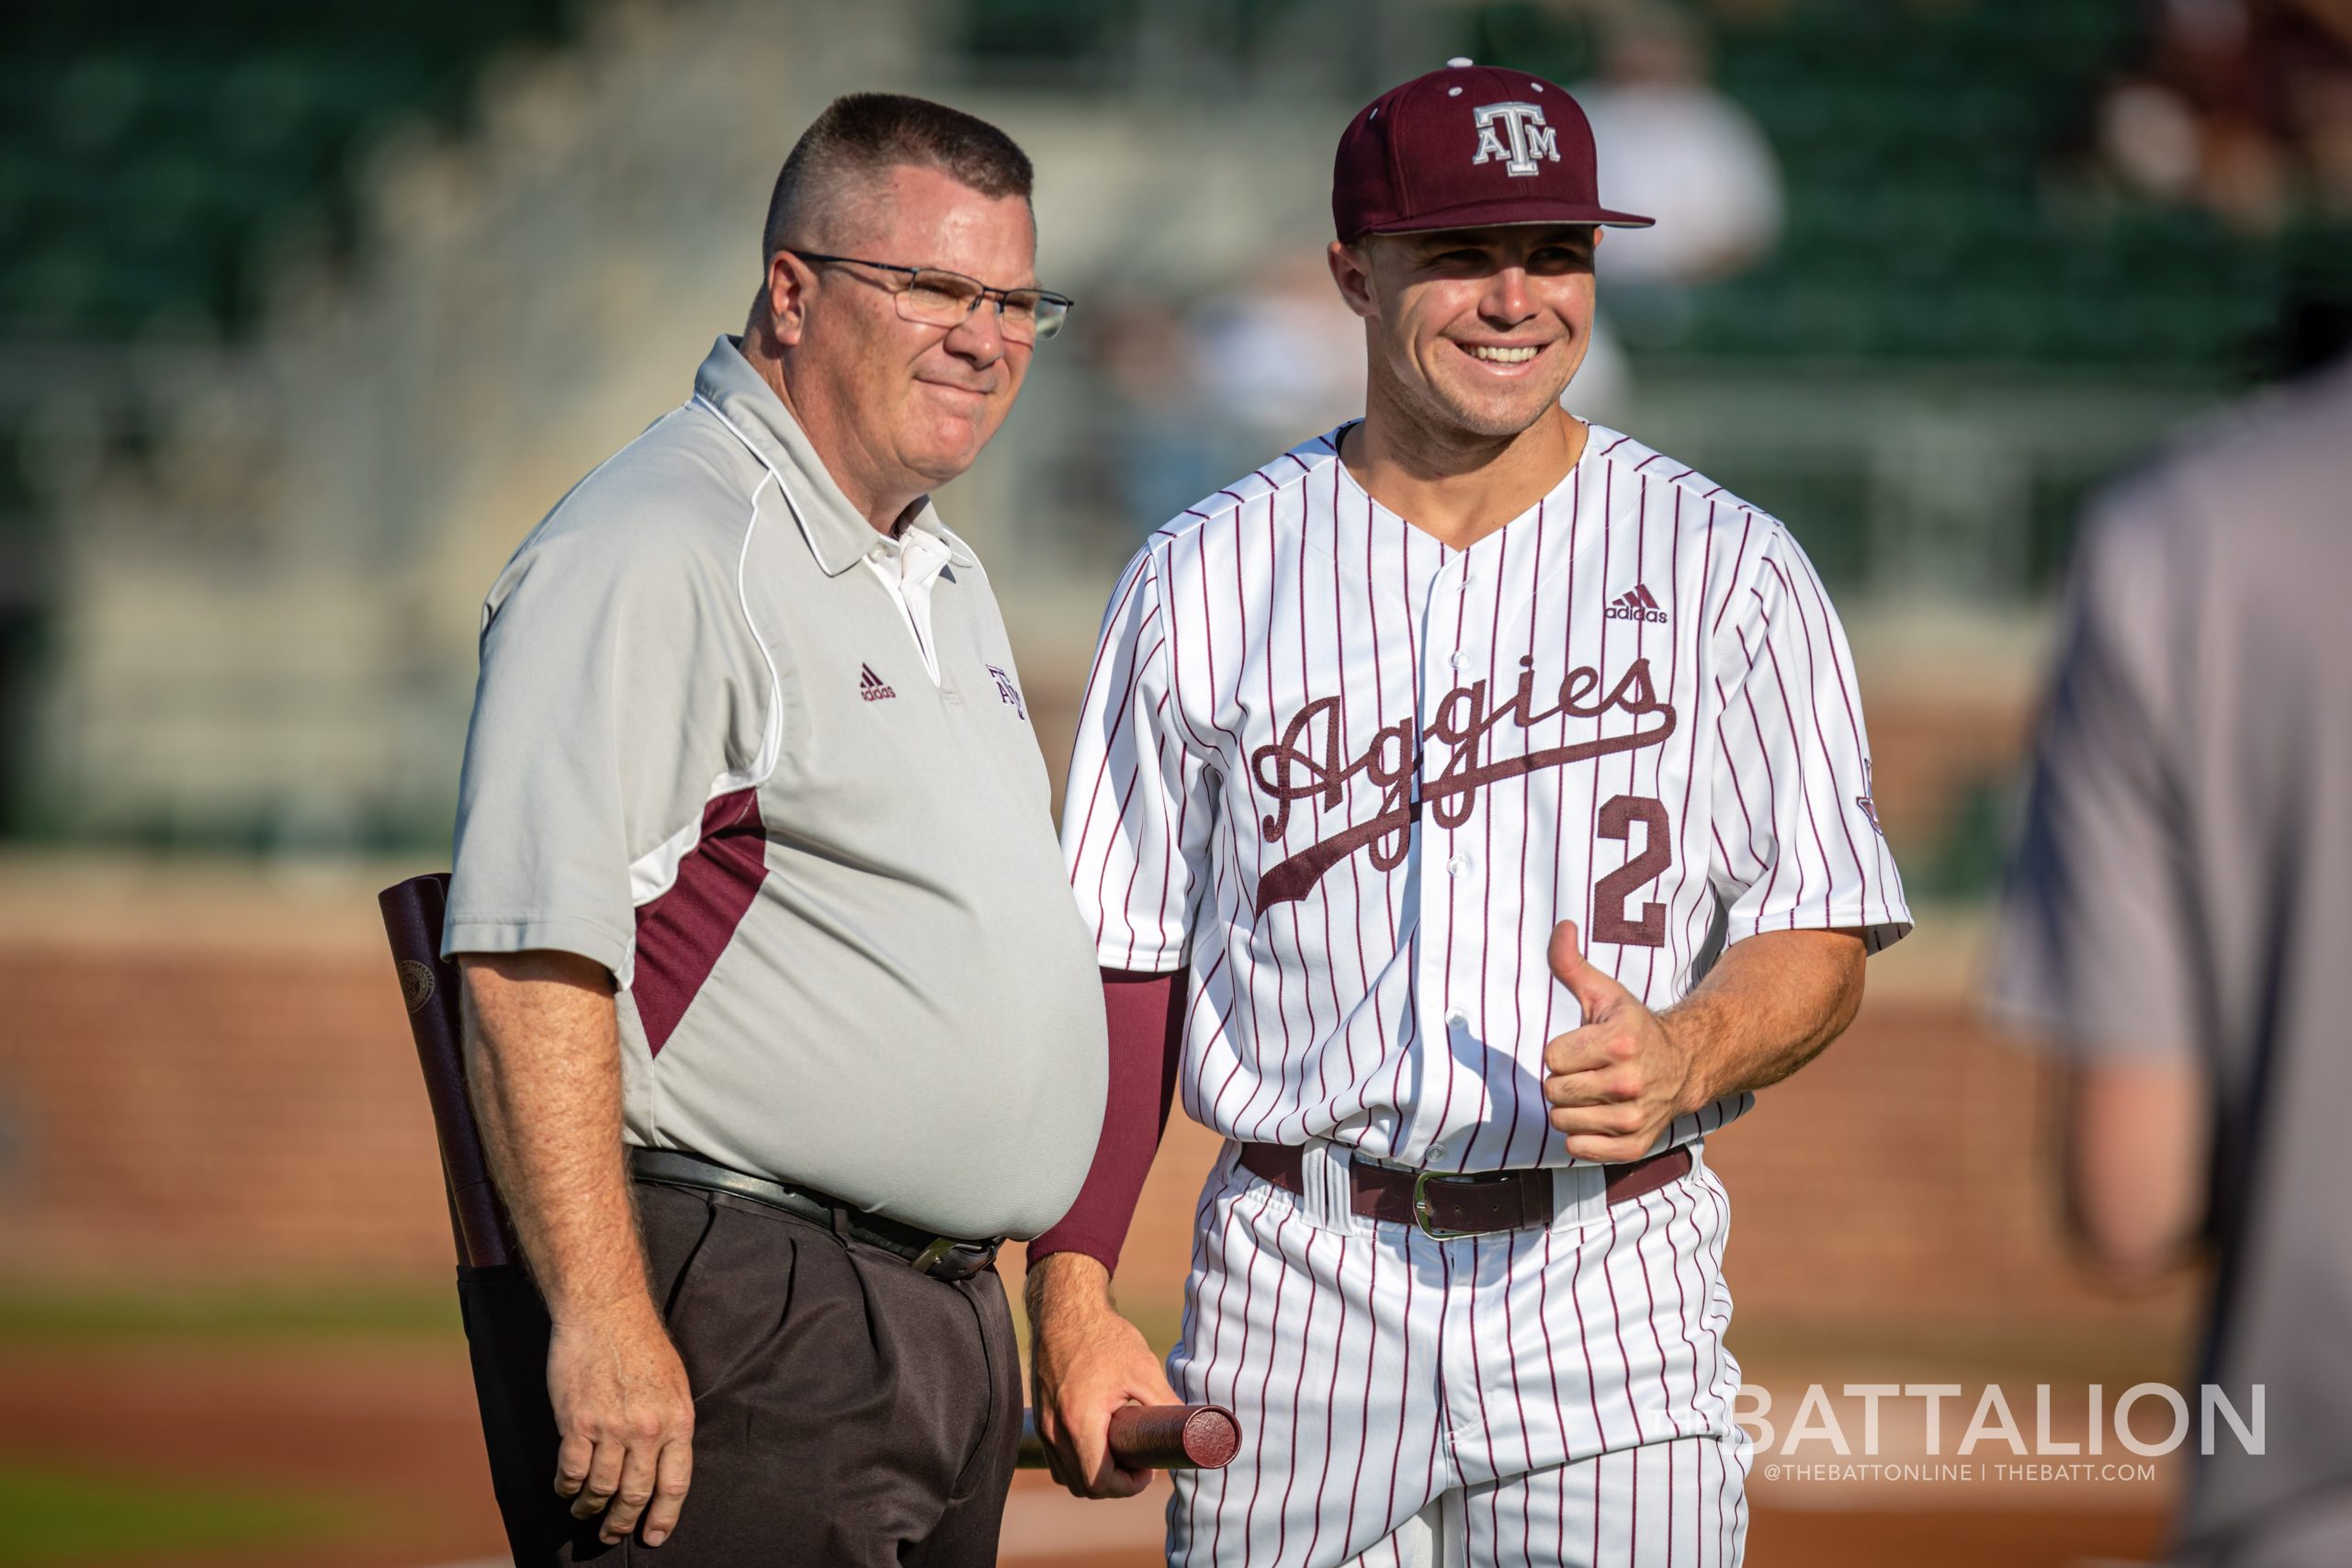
(1616, 1080)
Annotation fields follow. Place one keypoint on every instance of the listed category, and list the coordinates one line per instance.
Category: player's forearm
(1063, 1288)
(1771, 1004)
(543, 1062)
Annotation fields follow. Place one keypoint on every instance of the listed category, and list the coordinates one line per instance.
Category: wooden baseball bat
(1155, 1437)
(485, 1236)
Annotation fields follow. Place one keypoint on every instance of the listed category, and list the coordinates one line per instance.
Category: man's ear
(784, 296)
(1351, 270)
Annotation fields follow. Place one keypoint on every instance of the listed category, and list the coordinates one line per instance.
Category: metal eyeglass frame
(1044, 296)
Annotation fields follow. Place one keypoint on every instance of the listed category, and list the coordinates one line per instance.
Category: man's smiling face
(921, 399)
(1477, 330)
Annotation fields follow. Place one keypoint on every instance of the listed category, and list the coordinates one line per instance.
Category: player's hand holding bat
(1614, 1081)
(1086, 1363)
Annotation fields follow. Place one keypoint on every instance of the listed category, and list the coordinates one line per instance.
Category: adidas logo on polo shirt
(872, 687)
(1634, 604)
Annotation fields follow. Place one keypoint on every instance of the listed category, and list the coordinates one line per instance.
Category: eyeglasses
(940, 299)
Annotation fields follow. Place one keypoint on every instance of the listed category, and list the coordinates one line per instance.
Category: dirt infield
(388, 1434)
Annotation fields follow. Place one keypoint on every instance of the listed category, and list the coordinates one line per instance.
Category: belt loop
(1579, 1195)
(841, 1223)
(1327, 1185)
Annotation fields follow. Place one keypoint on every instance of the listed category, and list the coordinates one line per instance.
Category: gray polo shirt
(709, 751)
(2183, 893)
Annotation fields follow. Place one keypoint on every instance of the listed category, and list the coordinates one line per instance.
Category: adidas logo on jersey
(872, 687)
(1635, 605)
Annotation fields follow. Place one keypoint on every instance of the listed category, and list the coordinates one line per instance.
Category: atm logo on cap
(1516, 134)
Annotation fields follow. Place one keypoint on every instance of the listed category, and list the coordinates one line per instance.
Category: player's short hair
(864, 135)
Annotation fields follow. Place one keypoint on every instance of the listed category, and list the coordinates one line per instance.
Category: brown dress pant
(848, 1411)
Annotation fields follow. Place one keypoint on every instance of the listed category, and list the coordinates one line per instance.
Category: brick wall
(208, 1108)
(212, 1114)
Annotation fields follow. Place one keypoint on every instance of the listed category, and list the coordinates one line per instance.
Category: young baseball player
(1472, 810)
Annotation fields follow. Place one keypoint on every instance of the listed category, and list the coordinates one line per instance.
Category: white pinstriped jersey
(1351, 778)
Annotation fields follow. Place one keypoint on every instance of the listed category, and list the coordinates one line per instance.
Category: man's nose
(1507, 298)
(980, 337)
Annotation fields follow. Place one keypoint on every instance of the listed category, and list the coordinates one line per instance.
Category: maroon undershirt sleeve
(1146, 1018)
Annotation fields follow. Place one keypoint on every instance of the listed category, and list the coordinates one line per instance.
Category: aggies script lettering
(1305, 764)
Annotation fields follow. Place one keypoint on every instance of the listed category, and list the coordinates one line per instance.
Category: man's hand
(1085, 1362)
(543, 1063)
(626, 1421)
(1615, 1081)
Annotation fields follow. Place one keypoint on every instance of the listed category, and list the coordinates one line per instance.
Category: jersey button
(1458, 866)
(1460, 661)
(1437, 1151)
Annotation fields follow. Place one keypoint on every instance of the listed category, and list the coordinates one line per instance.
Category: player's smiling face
(1477, 330)
(914, 398)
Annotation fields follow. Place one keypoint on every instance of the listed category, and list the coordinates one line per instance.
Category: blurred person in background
(1276, 355)
(2240, 106)
(1157, 451)
(1677, 147)
(778, 1015)
(2175, 932)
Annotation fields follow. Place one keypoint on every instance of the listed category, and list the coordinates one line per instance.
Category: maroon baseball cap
(1464, 147)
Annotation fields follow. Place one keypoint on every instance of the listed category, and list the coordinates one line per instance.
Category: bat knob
(1212, 1437)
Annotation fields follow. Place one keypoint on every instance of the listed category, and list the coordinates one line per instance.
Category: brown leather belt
(1450, 1204)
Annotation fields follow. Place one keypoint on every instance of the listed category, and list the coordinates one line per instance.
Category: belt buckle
(953, 1261)
(1421, 1181)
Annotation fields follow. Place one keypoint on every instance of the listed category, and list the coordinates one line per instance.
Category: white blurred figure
(1280, 358)
(1603, 387)
(1677, 149)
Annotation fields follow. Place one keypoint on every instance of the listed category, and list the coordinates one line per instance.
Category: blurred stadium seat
(1953, 340)
(151, 151)
(153, 158)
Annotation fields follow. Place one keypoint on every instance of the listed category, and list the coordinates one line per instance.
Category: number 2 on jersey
(1609, 920)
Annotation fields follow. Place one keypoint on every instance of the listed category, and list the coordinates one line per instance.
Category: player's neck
(1455, 488)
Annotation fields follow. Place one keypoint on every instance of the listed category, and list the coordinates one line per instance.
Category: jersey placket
(1446, 869)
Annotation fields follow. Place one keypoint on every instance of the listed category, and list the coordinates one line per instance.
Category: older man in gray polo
(778, 1011)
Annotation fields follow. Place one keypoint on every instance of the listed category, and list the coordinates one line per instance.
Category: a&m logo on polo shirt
(1007, 693)
(1516, 134)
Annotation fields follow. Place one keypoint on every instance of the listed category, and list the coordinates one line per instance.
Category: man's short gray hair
(860, 138)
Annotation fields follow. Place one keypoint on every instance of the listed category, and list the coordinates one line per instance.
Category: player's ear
(1351, 270)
